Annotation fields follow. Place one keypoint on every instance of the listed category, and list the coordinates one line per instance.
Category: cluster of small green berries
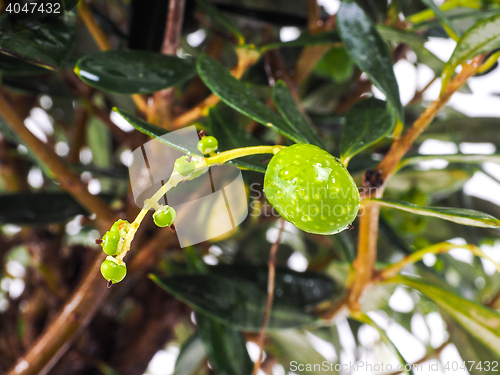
(164, 216)
(112, 269)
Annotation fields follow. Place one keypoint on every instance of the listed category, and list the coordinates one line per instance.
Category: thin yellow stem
(225, 156)
(93, 27)
(442, 247)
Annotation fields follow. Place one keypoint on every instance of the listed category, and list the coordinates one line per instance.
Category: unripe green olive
(164, 216)
(311, 189)
(207, 145)
(112, 271)
(185, 165)
(110, 242)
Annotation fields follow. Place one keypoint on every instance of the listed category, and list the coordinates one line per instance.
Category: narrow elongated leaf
(283, 99)
(226, 348)
(469, 348)
(442, 18)
(367, 122)
(434, 182)
(479, 321)
(369, 51)
(192, 355)
(230, 136)
(298, 288)
(456, 158)
(218, 19)
(416, 43)
(133, 72)
(178, 142)
(236, 303)
(48, 45)
(236, 95)
(366, 319)
(457, 215)
(481, 38)
(13, 66)
(325, 38)
(39, 208)
(293, 347)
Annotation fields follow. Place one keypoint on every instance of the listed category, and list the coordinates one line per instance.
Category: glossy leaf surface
(133, 72)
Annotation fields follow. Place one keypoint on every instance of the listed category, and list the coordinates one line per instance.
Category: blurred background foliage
(47, 235)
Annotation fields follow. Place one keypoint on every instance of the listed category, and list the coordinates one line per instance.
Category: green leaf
(13, 66)
(286, 106)
(191, 356)
(300, 289)
(226, 348)
(483, 37)
(230, 136)
(236, 303)
(335, 64)
(417, 44)
(218, 19)
(39, 208)
(133, 72)
(236, 95)
(456, 158)
(48, 45)
(469, 348)
(369, 51)
(293, 349)
(367, 122)
(448, 26)
(457, 215)
(182, 144)
(325, 38)
(479, 321)
(367, 320)
(437, 182)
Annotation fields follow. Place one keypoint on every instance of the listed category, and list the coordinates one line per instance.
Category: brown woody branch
(367, 239)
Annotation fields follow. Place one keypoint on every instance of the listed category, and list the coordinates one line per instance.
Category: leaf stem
(225, 156)
(443, 247)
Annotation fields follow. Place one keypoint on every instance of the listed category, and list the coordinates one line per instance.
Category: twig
(95, 30)
(77, 134)
(161, 111)
(367, 240)
(246, 58)
(418, 95)
(102, 42)
(270, 296)
(68, 180)
(402, 145)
